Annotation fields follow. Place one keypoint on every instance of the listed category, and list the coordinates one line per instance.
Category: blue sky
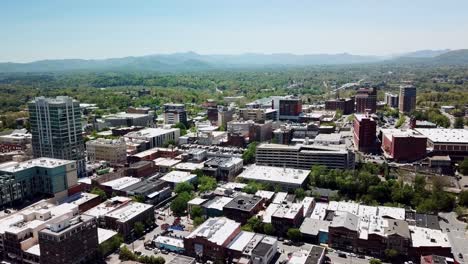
(32, 30)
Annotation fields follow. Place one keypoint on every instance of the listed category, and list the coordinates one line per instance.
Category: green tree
(254, 224)
(206, 183)
(401, 120)
(183, 187)
(294, 234)
(138, 198)
(463, 198)
(139, 228)
(180, 203)
(300, 193)
(182, 127)
(198, 221)
(459, 122)
(269, 229)
(391, 253)
(249, 154)
(252, 187)
(125, 254)
(101, 193)
(464, 167)
(375, 261)
(196, 211)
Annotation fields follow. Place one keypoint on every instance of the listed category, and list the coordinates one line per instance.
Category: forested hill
(191, 61)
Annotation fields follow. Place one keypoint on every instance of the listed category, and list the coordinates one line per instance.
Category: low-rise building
(214, 207)
(175, 177)
(69, 241)
(209, 241)
(83, 200)
(304, 156)
(129, 119)
(113, 151)
(286, 178)
(121, 214)
(446, 141)
(223, 168)
(403, 145)
(259, 115)
(155, 137)
(287, 216)
(242, 208)
(140, 169)
(170, 244)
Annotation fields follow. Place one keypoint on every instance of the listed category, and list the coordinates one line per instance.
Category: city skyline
(88, 30)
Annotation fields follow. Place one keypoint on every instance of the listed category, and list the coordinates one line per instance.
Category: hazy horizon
(113, 29)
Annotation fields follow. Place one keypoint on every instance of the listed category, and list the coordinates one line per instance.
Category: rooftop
(167, 240)
(124, 115)
(425, 237)
(445, 135)
(267, 195)
(218, 202)
(197, 201)
(346, 220)
(241, 241)
(268, 213)
(275, 174)
(80, 198)
(129, 211)
(320, 211)
(314, 226)
(216, 230)
(121, 183)
(49, 163)
(189, 166)
(280, 197)
(223, 161)
(244, 202)
(395, 132)
(166, 162)
(105, 234)
(108, 206)
(178, 176)
(288, 211)
(151, 132)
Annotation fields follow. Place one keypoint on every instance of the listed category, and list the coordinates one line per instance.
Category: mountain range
(191, 61)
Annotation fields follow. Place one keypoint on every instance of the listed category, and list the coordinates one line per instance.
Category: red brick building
(403, 145)
(366, 100)
(364, 133)
(345, 105)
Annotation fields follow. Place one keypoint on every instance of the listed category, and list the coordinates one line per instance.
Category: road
(457, 234)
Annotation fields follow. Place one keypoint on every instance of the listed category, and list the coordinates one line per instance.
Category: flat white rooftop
(288, 211)
(166, 240)
(267, 195)
(445, 135)
(389, 132)
(105, 234)
(271, 209)
(275, 174)
(151, 132)
(121, 183)
(166, 162)
(129, 211)
(189, 166)
(80, 198)
(241, 241)
(280, 197)
(178, 176)
(320, 211)
(107, 206)
(49, 163)
(219, 202)
(425, 237)
(216, 230)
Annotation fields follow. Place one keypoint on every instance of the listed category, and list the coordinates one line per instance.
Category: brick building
(403, 145)
(242, 208)
(366, 100)
(364, 133)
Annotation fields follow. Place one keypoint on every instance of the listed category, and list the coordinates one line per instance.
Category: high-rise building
(345, 105)
(56, 129)
(289, 107)
(175, 113)
(407, 102)
(225, 115)
(69, 241)
(391, 100)
(364, 133)
(366, 100)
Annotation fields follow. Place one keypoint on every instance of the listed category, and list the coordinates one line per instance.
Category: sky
(95, 29)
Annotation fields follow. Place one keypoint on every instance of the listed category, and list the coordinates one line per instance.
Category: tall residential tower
(56, 129)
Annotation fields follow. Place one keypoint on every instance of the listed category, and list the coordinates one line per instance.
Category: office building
(366, 100)
(175, 113)
(69, 241)
(209, 241)
(112, 150)
(446, 141)
(364, 133)
(391, 100)
(19, 231)
(403, 145)
(264, 251)
(121, 213)
(56, 129)
(155, 137)
(129, 119)
(287, 179)
(243, 207)
(407, 101)
(304, 156)
(289, 107)
(346, 106)
(290, 215)
(20, 181)
(258, 115)
(223, 168)
(225, 115)
(175, 177)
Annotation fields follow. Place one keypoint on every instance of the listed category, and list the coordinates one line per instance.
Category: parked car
(342, 255)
